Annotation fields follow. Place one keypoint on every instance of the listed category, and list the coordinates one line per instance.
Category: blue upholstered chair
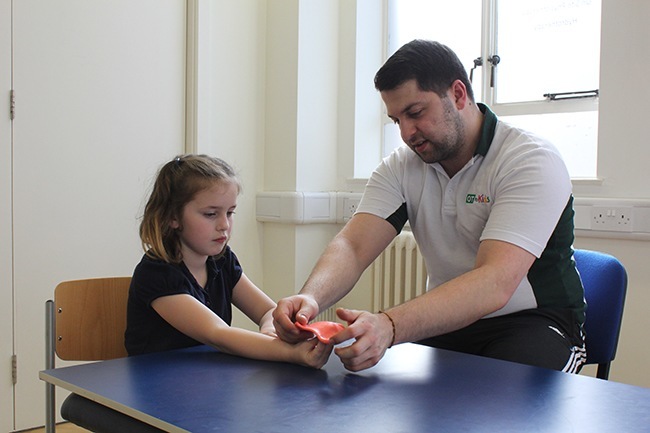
(605, 282)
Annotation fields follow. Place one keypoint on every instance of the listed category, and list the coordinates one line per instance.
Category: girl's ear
(174, 224)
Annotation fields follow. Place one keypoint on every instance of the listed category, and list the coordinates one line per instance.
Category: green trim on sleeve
(398, 218)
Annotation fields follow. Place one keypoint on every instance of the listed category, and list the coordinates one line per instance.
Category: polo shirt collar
(487, 130)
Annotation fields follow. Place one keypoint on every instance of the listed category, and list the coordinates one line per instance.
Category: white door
(6, 304)
(99, 91)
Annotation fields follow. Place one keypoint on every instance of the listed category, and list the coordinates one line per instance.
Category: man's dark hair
(433, 65)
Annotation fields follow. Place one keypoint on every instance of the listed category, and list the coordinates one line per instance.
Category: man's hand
(301, 308)
(373, 334)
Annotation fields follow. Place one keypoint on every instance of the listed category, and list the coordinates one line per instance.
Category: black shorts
(544, 337)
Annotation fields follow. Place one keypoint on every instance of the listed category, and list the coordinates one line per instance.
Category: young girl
(183, 288)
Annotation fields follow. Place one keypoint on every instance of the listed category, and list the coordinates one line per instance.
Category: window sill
(587, 181)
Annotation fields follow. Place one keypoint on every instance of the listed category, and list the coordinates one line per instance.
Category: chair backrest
(90, 318)
(605, 282)
(85, 322)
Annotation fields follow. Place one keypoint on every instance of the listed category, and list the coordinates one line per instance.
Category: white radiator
(399, 273)
(329, 315)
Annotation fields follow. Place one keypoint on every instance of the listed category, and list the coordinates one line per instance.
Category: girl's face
(207, 222)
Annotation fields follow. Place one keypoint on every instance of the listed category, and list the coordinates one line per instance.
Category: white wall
(267, 101)
(623, 149)
(231, 115)
(301, 128)
(623, 155)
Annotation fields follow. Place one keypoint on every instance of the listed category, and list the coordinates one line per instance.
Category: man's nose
(407, 130)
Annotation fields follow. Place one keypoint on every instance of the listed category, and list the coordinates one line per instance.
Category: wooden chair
(85, 322)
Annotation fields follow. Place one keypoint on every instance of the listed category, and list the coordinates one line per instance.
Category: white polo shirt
(514, 189)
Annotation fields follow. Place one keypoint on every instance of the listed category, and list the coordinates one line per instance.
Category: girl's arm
(255, 304)
(197, 321)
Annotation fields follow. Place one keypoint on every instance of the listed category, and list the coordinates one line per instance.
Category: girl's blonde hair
(177, 182)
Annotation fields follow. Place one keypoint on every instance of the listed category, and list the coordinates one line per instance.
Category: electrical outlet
(612, 218)
(347, 205)
(350, 207)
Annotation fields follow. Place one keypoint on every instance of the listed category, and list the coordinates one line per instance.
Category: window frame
(489, 47)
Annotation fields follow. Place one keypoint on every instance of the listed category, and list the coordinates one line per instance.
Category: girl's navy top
(146, 331)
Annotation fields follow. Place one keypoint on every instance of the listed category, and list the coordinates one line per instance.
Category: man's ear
(459, 94)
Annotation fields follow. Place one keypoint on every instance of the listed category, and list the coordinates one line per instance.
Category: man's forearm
(335, 274)
(351, 251)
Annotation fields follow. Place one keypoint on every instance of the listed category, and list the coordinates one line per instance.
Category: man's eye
(415, 114)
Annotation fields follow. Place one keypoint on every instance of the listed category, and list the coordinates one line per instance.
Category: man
(490, 207)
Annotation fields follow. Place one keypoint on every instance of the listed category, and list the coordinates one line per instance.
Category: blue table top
(413, 389)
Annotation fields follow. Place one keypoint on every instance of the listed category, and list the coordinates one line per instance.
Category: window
(536, 64)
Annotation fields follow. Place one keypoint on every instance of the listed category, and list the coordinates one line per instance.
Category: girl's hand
(266, 324)
(312, 353)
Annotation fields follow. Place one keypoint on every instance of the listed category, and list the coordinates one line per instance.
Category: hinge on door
(14, 369)
(12, 104)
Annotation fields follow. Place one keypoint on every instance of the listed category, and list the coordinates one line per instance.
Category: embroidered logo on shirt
(477, 198)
